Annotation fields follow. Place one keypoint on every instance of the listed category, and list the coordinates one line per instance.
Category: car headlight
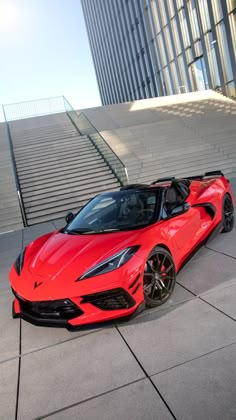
(111, 263)
(19, 262)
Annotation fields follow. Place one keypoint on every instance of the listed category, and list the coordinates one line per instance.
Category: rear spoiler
(211, 174)
(207, 174)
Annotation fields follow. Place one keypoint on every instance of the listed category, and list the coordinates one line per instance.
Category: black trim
(136, 289)
(135, 281)
(113, 299)
(210, 209)
(165, 179)
(134, 187)
(47, 323)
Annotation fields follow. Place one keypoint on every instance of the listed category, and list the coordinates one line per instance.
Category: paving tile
(74, 371)
(225, 243)
(138, 401)
(9, 329)
(59, 223)
(207, 270)
(163, 339)
(11, 240)
(179, 295)
(7, 258)
(202, 389)
(33, 232)
(8, 389)
(223, 299)
(35, 338)
(6, 299)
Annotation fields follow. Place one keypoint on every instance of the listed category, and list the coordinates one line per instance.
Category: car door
(185, 232)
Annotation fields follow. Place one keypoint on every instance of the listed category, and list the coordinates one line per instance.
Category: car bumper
(91, 312)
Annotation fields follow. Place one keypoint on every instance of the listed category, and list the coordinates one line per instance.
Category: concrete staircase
(58, 169)
(178, 135)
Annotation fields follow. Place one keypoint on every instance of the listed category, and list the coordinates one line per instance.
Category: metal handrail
(34, 108)
(107, 153)
(221, 89)
(18, 188)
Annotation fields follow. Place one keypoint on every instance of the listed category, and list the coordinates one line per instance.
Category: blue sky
(45, 52)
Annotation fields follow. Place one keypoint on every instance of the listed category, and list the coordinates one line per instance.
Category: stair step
(67, 193)
(48, 208)
(28, 191)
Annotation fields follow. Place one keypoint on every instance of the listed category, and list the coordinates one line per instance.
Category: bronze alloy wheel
(159, 277)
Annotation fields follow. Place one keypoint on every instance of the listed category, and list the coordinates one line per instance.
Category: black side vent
(111, 299)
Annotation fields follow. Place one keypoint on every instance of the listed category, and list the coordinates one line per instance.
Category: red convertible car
(120, 252)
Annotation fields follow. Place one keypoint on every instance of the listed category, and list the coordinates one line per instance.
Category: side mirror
(69, 217)
(180, 209)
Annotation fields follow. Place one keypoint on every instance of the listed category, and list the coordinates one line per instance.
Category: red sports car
(120, 252)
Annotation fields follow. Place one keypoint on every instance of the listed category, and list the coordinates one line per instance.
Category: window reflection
(184, 28)
(199, 75)
(217, 10)
(193, 19)
(224, 50)
(204, 13)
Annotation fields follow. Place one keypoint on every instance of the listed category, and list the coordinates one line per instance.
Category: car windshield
(116, 211)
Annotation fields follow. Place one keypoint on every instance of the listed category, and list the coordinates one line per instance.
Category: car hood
(71, 255)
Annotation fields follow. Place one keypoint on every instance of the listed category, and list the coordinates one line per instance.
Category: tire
(227, 214)
(159, 277)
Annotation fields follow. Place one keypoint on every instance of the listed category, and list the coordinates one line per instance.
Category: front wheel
(159, 277)
(227, 214)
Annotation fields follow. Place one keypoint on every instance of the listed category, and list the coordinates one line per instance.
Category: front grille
(111, 299)
(62, 309)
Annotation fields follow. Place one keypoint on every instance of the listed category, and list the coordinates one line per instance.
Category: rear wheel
(159, 277)
(228, 214)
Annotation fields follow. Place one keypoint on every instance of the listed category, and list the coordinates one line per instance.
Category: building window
(155, 16)
(231, 5)
(194, 19)
(198, 74)
(162, 49)
(232, 22)
(162, 9)
(167, 81)
(224, 51)
(204, 13)
(182, 72)
(211, 56)
(180, 3)
(184, 28)
(155, 54)
(168, 43)
(171, 8)
(175, 34)
(217, 10)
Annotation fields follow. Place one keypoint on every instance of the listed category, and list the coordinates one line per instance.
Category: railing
(228, 89)
(59, 104)
(18, 189)
(34, 108)
(84, 126)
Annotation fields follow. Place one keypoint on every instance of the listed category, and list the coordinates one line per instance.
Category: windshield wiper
(89, 231)
(79, 231)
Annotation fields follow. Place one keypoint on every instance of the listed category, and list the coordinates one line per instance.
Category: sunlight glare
(8, 15)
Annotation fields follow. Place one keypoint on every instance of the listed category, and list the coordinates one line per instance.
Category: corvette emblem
(36, 284)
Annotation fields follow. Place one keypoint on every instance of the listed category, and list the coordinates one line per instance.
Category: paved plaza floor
(177, 361)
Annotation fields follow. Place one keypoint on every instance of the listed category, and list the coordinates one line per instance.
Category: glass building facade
(148, 48)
